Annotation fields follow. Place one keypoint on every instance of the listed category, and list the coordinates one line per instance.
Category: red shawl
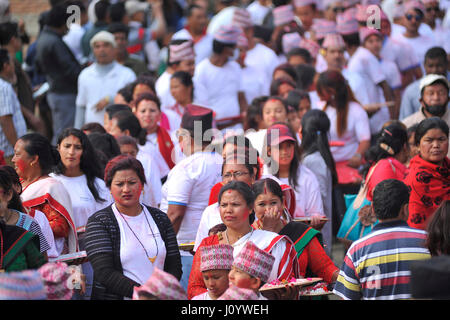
(429, 185)
(165, 146)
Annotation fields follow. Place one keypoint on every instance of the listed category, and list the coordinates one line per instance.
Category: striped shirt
(28, 223)
(376, 267)
(10, 105)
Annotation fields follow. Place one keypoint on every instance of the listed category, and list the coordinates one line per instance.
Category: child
(215, 264)
(160, 286)
(251, 268)
(128, 146)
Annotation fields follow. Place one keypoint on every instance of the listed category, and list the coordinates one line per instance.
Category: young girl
(216, 261)
(282, 160)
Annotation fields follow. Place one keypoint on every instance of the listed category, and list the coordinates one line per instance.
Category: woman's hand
(316, 222)
(271, 220)
(289, 292)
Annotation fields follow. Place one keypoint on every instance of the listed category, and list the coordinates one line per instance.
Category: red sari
(429, 185)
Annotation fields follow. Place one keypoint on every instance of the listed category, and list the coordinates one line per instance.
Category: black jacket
(102, 243)
(56, 61)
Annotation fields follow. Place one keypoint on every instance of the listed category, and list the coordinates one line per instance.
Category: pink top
(389, 168)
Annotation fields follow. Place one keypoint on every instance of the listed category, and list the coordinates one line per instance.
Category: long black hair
(89, 163)
(391, 141)
(6, 183)
(37, 144)
(315, 128)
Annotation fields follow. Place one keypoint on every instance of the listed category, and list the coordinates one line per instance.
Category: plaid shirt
(10, 105)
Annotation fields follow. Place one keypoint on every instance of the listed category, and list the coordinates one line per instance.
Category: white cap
(133, 6)
(432, 78)
(104, 36)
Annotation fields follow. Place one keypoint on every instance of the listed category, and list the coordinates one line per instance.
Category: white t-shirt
(257, 139)
(174, 117)
(202, 48)
(257, 12)
(141, 231)
(73, 40)
(264, 59)
(358, 129)
(151, 147)
(308, 199)
(83, 202)
(189, 184)
(162, 87)
(252, 83)
(419, 45)
(94, 85)
(152, 189)
(357, 84)
(217, 87)
(399, 52)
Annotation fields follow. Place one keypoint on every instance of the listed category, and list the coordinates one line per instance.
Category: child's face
(242, 279)
(274, 111)
(294, 120)
(129, 150)
(303, 107)
(374, 44)
(266, 202)
(216, 281)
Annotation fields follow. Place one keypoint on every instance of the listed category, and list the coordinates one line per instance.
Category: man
(185, 194)
(258, 55)
(99, 83)
(332, 9)
(434, 97)
(218, 80)
(101, 24)
(181, 57)
(120, 32)
(305, 10)
(61, 68)
(377, 266)
(435, 63)
(195, 30)
(440, 33)
(414, 11)
(12, 123)
(258, 10)
(141, 40)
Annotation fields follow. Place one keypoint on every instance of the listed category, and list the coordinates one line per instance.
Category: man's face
(436, 66)
(104, 52)
(431, 10)
(412, 20)
(335, 58)
(121, 39)
(435, 98)
(198, 20)
(374, 44)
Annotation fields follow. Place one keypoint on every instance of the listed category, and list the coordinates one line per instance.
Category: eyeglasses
(234, 174)
(435, 9)
(338, 9)
(417, 17)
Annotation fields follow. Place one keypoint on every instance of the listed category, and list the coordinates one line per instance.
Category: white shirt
(257, 12)
(257, 139)
(399, 52)
(162, 87)
(419, 45)
(252, 83)
(264, 59)
(140, 232)
(308, 199)
(174, 117)
(189, 184)
(83, 202)
(152, 189)
(217, 87)
(151, 147)
(94, 84)
(358, 129)
(73, 40)
(202, 48)
(357, 84)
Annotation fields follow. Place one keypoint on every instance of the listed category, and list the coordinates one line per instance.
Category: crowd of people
(205, 150)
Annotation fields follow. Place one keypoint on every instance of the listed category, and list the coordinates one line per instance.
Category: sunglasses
(417, 17)
(338, 9)
(435, 9)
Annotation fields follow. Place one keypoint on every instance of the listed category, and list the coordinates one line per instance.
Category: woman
(272, 216)
(349, 124)
(282, 160)
(34, 158)
(385, 160)
(126, 123)
(127, 240)
(182, 90)
(428, 176)
(105, 147)
(158, 142)
(79, 171)
(236, 201)
(13, 213)
(317, 157)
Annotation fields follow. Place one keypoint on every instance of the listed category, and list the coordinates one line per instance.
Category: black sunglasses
(435, 9)
(338, 9)
(418, 17)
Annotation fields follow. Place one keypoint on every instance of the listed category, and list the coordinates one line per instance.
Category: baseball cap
(278, 133)
(431, 79)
